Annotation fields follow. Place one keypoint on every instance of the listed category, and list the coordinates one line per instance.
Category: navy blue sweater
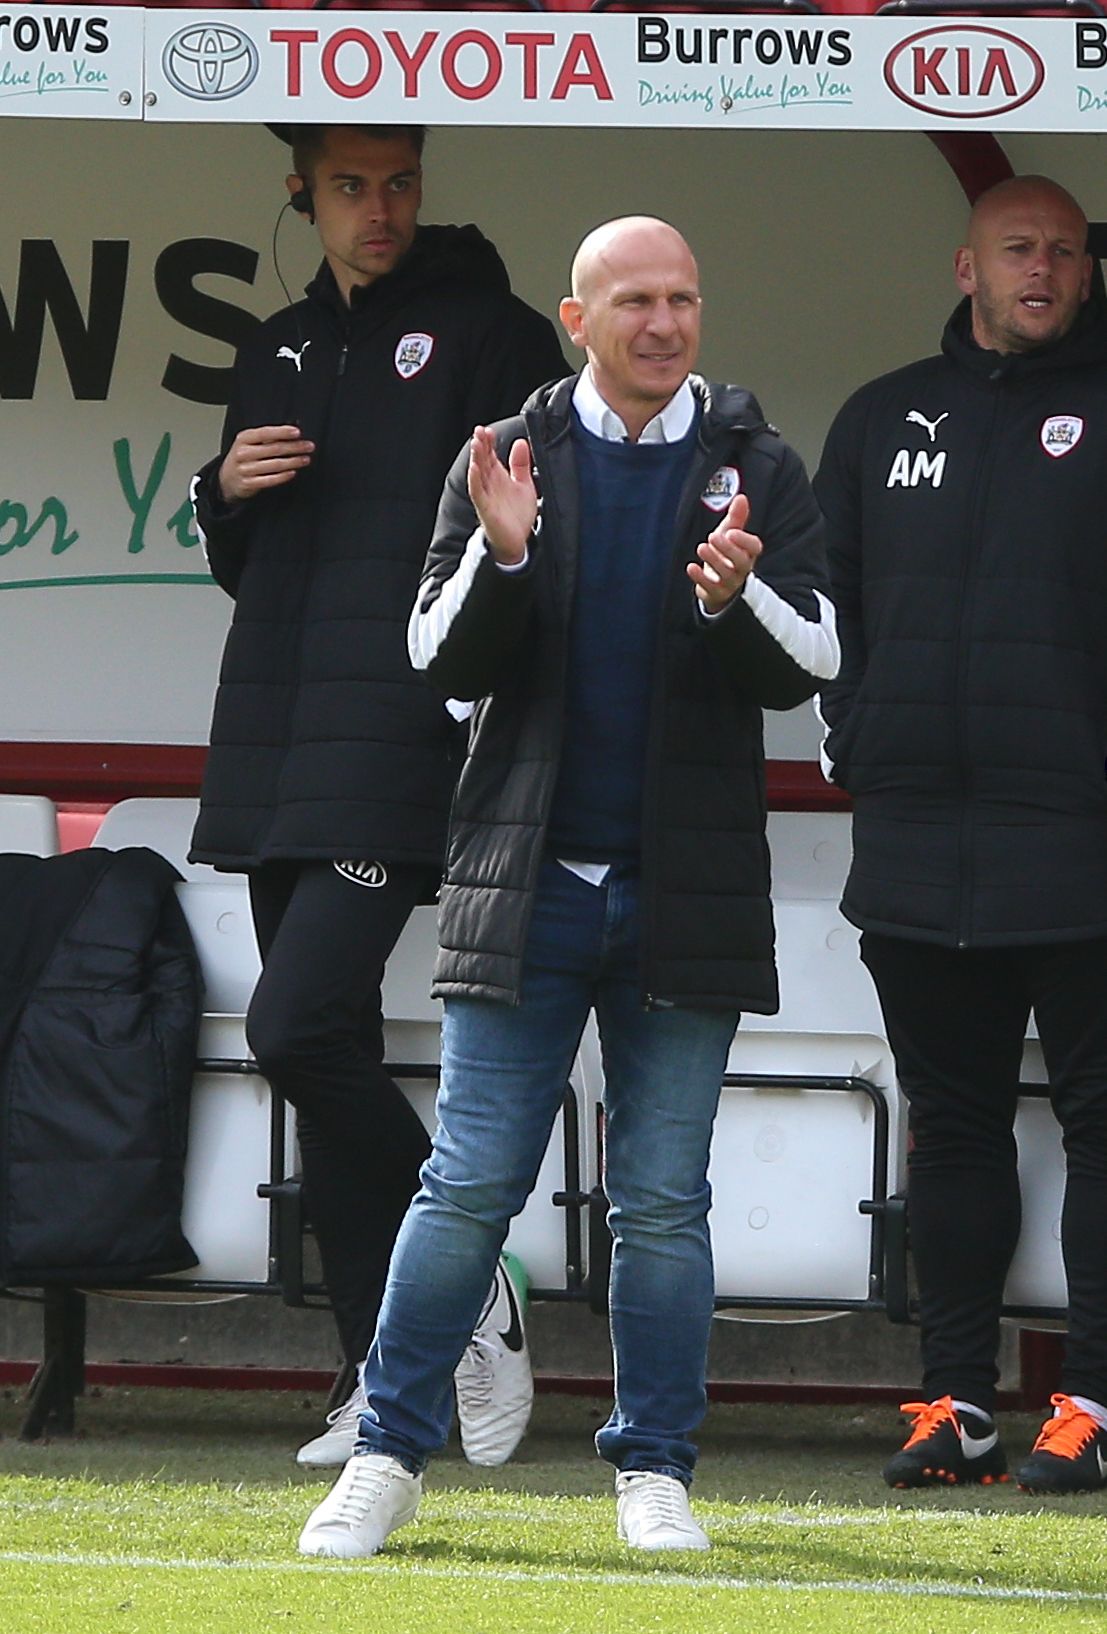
(629, 494)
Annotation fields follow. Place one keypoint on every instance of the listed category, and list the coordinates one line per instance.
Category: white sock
(1094, 1409)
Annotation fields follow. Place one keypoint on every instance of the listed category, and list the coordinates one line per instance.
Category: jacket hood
(722, 406)
(459, 256)
(1085, 343)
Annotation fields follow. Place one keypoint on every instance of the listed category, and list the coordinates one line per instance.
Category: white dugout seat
(1036, 1281)
(792, 1161)
(223, 1217)
(28, 825)
(789, 1166)
(825, 994)
(544, 1235)
(229, 1129)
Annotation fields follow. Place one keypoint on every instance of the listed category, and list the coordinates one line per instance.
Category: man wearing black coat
(331, 764)
(965, 498)
(622, 633)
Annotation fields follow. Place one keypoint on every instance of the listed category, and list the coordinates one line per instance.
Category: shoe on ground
(1070, 1454)
(493, 1382)
(942, 1451)
(652, 1512)
(336, 1444)
(373, 1496)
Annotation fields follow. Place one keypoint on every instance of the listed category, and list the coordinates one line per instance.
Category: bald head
(1027, 196)
(635, 311)
(606, 246)
(1024, 264)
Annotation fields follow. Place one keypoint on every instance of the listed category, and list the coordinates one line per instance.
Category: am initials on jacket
(912, 467)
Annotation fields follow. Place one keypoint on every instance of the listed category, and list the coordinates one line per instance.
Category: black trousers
(956, 1021)
(316, 1027)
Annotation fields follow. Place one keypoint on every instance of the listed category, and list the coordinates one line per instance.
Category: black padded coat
(99, 1010)
(966, 507)
(324, 744)
(707, 928)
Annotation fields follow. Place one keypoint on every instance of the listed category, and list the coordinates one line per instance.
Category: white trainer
(495, 1389)
(652, 1512)
(372, 1497)
(336, 1444)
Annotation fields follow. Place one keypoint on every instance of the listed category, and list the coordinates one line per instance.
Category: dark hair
(308, 141)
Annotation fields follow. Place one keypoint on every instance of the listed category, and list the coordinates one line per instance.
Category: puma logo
(914, 418)
(296, 357)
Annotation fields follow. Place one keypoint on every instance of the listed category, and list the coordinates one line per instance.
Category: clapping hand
(726, 558)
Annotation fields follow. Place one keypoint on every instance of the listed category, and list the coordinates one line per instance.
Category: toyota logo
(210, 61)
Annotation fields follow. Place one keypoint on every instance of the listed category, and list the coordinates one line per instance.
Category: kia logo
(210, 61)
(964, 71)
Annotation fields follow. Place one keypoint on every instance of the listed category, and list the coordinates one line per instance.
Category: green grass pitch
(178, 1512)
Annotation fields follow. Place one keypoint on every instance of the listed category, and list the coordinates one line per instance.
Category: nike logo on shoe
(513, 1335)
(975, 1447)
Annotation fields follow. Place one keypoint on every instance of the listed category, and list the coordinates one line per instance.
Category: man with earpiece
(332, 764)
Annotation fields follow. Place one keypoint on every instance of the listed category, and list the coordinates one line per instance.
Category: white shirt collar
(669, 426)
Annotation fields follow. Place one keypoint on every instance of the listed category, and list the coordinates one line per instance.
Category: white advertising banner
(509, 68)
(680, 70)
(71, 62)
(123, 288)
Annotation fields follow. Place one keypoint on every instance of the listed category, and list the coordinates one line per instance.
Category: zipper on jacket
(549, 551)
(969, 580)
(341, 332)
(698, 472)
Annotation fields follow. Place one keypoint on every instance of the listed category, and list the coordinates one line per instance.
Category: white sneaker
(372, 1497)
(493, 1380)
(652, 1512)
(336, 1444)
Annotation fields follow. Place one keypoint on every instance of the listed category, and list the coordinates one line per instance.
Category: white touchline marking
(642, 1579)
(553, 1513)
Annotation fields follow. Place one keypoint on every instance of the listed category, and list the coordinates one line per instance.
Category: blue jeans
(504, 1070)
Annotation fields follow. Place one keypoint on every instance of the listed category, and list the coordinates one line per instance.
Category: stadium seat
(216, 905)
(826, 994)
(1036, 1281)
(412, 1020)
(164, 825)
(29, 825)
(811, 1125)
(810, 1122)
(231, 1137)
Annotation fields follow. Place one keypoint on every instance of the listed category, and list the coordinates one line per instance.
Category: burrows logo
(964, 71)
(1061, 433)
(210, 61)
(412, 354)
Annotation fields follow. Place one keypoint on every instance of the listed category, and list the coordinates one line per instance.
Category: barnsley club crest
(1061, 433)
(721, 488)
(412, 354)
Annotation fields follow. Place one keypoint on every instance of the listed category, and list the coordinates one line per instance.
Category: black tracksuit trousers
(956, 1021)
(315, 1025)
